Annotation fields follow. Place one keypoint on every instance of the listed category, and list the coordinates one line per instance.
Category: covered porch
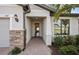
(38, 26)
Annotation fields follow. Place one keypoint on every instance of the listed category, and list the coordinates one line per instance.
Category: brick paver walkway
(36, 47)
(4, 51)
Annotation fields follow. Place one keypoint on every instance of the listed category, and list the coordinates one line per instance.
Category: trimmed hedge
(58, 41)
(68, 45)
(68, 50)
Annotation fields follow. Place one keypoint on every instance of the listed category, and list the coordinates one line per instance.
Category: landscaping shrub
(69, 40)
(58, 41)
(78, 49)
(68, 50)
(15, 51)
(77, 40)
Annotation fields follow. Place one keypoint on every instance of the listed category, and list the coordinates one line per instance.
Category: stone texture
(16, 38)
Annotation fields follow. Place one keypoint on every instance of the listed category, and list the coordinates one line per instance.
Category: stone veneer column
(17, 38)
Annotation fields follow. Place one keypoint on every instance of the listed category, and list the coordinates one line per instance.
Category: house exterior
(38, 22)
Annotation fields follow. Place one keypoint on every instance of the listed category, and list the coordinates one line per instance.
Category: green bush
(58, 41)
(68, 50)
(15, 51)
(78, 48)
(77, 39)
(69, 40)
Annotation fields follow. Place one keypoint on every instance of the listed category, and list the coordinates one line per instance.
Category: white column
(48, 31)
(28, 29)
(11, 23)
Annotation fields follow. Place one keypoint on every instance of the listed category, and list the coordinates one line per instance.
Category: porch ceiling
(36, 18)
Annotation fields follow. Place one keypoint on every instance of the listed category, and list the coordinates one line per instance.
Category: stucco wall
(37, 11)
(28, 30)
(48, 30)
(40, 12)
(73, 25)
(16, 32)
(11, 10)
(44, 29)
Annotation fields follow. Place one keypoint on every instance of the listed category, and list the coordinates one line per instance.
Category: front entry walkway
(4, 50)
(36, 47)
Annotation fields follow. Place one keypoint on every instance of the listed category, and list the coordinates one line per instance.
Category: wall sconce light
(16, 18)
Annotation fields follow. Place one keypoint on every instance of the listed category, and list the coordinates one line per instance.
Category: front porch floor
(36, 47)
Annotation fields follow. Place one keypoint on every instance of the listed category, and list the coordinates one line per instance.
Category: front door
(37, 31)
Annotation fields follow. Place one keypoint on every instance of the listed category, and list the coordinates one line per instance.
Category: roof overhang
(68, 15)
(51, 9)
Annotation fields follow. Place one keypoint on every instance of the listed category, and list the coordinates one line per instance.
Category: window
(61, 27)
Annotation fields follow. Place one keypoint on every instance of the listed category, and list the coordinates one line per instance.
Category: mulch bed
(54, 49)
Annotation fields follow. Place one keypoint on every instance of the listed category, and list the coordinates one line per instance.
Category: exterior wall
(28, 30)
(44, 29)
(39, 12)
(16, 28)
(48, 30)
(11, 10)
(73, 25)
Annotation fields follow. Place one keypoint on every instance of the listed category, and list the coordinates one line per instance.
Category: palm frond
(64, 9)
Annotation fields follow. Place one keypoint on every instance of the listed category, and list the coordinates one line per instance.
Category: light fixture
(16, 18)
